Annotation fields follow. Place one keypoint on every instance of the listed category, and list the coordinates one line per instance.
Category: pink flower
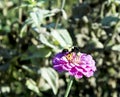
(76, 64)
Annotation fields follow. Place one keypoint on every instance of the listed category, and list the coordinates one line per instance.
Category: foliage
(32, 31)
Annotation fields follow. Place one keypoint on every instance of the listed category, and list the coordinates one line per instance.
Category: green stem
(20, 11)
(58, 19)
(63, 4)
(69, 87)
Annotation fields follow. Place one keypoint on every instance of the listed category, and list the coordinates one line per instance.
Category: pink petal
(78, 75)
(89, 74)
(58, 68)
(65, 67)
(73, 71)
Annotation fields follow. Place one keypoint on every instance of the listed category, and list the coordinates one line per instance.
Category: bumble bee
(65, 50)
(74, 49)
(70, 54)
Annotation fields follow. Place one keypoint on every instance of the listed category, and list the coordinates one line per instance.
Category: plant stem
(20, 11)
(58, 19)
(69, 87)
(63, 4)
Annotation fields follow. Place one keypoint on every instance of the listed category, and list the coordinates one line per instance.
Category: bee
(75, 49)
(70, 53)
(65, 50)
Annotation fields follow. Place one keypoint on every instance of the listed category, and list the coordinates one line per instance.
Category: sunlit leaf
(116, 47)
(28, 68)
(64, 14)
(63, 37)
(24, 27)
(31, 84)
(37, 18)
(5, 89)
(58, 37)
(38, 15)
(23, 30)
(45, 41)
(43, 85)
(51, 76)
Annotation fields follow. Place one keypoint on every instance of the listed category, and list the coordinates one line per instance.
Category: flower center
(69, 56)
(73, 57)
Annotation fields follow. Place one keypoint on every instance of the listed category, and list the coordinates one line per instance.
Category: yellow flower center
(73, 57)
(69, 56)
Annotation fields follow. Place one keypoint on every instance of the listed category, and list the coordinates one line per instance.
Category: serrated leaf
(51, 76)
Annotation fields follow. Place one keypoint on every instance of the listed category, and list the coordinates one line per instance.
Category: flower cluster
(76, 63)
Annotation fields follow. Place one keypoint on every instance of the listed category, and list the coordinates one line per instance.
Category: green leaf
(116, 48)
(51, 76)
(23, 30)
(37, 18)
(34, 52)
(38, 15)
(94, 43)
(5, 89)
(4, 67)
(17, 87)
(117, 1)
(64, 14)
(97, 43)
(31, 84)
(28, 69)
(63, 37)
(58, 37)
(109, 21)
(45, 41)
(24, 27)
(112, 71)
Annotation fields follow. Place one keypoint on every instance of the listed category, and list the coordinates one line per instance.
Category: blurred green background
(33, 31)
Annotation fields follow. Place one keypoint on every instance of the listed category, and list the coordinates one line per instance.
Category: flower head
(75, 63)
